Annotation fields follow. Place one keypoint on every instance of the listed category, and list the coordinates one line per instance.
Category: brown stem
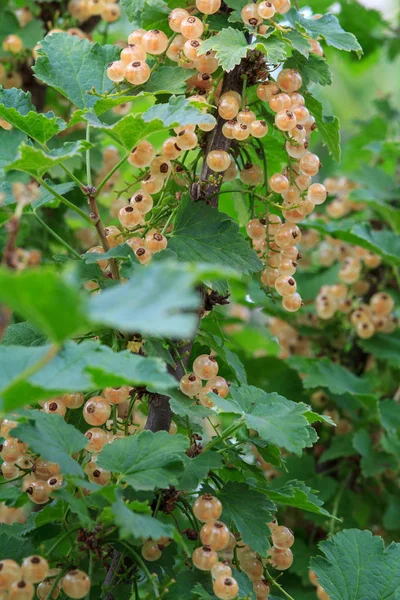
(95, 216)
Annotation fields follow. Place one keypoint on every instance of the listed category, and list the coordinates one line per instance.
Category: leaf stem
(65, 201)
(61, 539)
(88, 165)
(141, 564)
(56, 236)
(225, 434)
(111, 173)
(276, 584)
(54, 585)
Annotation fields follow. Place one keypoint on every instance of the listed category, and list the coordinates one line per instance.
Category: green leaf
(23, 334)
(329, 28)
(328, 126)
(133, 8)
(45, 299)
(187, 407)
(134, 521)
(87, 366)
(356, 565)
(297, 41)
(52, 438)
(74, 66)
(139, 103)
(16, 108)
(240, 505)
(36, 161)
(384, 347)
(274, 49)
(340, 446)
(373, 461)
(322, 372)
(276, 419)
(299, 495)
(390, 415)
(230, 46)
(30, 34)
(201, 233)
(9, 143)
(77, 506)
(312, 68)
(158, 300)
(177, 111)
(127, 131)
(169, 80)
(147, 460)
(197, 468)
(18, 546)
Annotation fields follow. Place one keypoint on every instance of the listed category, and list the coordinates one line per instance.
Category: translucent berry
(96, 411)
(76, 584)
(170, 149)
(152, 184)
(176, 17)
(218, 160)
(142, 202)
(73, 400)
(12, 43)
(241, 131)
(142, 155)
(292, 303)
(267, 90)
(190, 385)
(206, 63)
(11, 450)
(215, 534)
(151, 551)
(226, 588)
(228, 107)
(287, 235)
(129, 217)
(116, 395)
(289, 80)
(131, 53)
(231, 173)
(252, 174)
(279, 183)
(282, 537)
(55, 407)
(155, 42)
(205, 366)
(21, 590)
(208, 7)
(204, 558)
(207, 508)
(250, 15)
(116, 71)
(191, 49)
(285, 120)
(266, 10)
(10, 572)
(256, 229)
(218, 385)
(97, 438)
(192, 28)
(38, 492)
(137, 72)
(156, 242)
(280, 559)
(187, 139)
(309, 164)
(221, 569)
(258, 129)
(9, 470)
(285, 285)
(382, 303)
(136, 36)
(280, 102)
(143, 255)
(34, 569)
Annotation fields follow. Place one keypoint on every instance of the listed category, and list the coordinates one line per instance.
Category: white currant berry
(116, 71)
(226, 588)
(190, 385)
(215, 534)
(176, 17)
(137, 72)
(192, 28)
(96, 411)
(250, 15)
(267, 90)
(208, 7)
(266, 10)
(207, 508)
(76, 584)
(218, 160)
(154, 42)
(10, 572)
(151, 551)
(204, 558)
(142, 202)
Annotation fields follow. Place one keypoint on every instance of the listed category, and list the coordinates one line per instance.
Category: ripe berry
(129, 217)
(116, 395)
(205, 366)
(292, 303)
(317, 193)
(6, 426)
(55, 407)
(208, 126)
(285, 120)
(136, 36)
(96, 411)
(96, 439)
(21, 590)
(258, 129)
(228, 107)
(267, 90)
(12, 43)
(280, 559)
(282, 537)
(215, 534)
(218, 385)
(246, 116)
(137, 72)
(152, 184)
(207, 508)
(156, 242)
(176, 17)
(285, 285)
(143, 255)
(10, 571)
(187, 139)
(225, 588)
(221, 569)
(204, 558)
(43, 469)
(191, 49)
(309, 164)
(190, 385)
(303, 182)
(287, 235)
(155, 42)
(76, 584)
(54, 483)
(151, 551)
(297, 150)
(73, 400)
(231, 173)
(97, 474)
(11, 450)
(286, 266)
(131, 53)
(279, 183)
(43, 590)
(382, 303)
(280, 102)
(206, 63)
(192, 28)
(34, 569)
(111, 12)
(170, 149)
(250, 15)
(208, 7)
(142, 202)
(241, 132)
(266, 10)
(142, 155)
(116, 71)
(289, 80)
(252, 174)
(218, 160)
(365, 329)
(38, 492)
(160, 166)
(9, 470)
(256, 229)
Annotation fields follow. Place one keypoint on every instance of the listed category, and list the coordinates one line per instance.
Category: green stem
(32, 369)
(56, 236)
(276, 584)
(168, 221)
(142, 565)
(61, 539)
(88, 166)
(225, 434)
(54, 585)
(72, 176)
(111, 173)
(65, 201)
(336, 504)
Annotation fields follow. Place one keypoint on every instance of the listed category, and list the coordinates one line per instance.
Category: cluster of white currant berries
(341, 205)
(215, 537)
(82, 10)
(367, 319)
(18, 581)
(290, 340)
(254, 14)
(321, 593)
(352, 257)
(205, 368)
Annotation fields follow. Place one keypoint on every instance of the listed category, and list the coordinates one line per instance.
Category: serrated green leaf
(297, 41)
(197, 468)
(169, 80)
(16, 108)
(274, 49)
(177, 111)
(298, 494)
(340, 446)
(312, 68)
(240, 504)
(139, 305)
(373, 461)
(52, 438)
(13, 544)
(36, 161)
(201, 233)
(230, 46)
(276, 419)
(147, 460)
(73, 66)
(42, 296)
(329, 28)
(23, 334)
(134, 524)
(139, 103)
(9, 143)
(384, 347)
(128, 131)
(88, 366)
(328, 126)
(357, 565)
(187, 407)
(390, 415)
